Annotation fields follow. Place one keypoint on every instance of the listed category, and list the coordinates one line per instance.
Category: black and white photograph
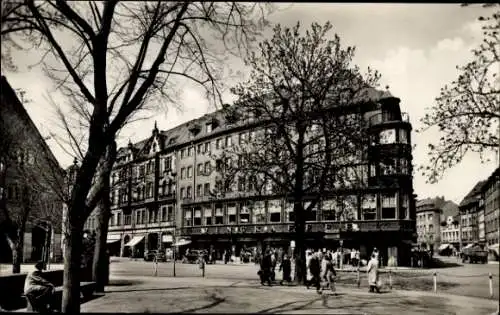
(249, 157)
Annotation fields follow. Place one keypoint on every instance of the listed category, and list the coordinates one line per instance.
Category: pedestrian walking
(315, 268)
(308, 270)
(265, 269)
(353, 257)
(329, 275)
(372, 270)
(286, 267)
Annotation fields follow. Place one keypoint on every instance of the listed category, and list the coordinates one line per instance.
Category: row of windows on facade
(255, 212)
(422, 216)
(25, 156)
(450, 236)
(491, 224)
(425, 228)
(356, 174)
(143, 216)
(13, 192)
(390, 136)
(142, 192)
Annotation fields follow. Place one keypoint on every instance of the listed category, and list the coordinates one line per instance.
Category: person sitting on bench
(38, 290)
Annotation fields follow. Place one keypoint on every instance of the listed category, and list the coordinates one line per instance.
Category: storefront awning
(182, 242)
(444, 246)
(113, 239)
(167, 238)
(135, 240)
(494, 248)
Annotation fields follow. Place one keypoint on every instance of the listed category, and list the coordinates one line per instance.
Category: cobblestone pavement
(205, 295)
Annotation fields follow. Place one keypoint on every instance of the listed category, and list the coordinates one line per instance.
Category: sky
(416, 47)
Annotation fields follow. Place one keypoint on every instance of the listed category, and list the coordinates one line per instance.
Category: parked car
(150, 255)
(194, 254)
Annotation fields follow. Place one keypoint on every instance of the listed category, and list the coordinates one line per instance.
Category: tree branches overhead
(467, 111)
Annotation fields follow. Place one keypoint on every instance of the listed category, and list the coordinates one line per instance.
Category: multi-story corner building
(471, 210)
(428, 212)
(163, 190)
(491, 196)
(29, 175)
(450, 225)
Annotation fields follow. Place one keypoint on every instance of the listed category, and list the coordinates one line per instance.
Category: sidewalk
(195, 294)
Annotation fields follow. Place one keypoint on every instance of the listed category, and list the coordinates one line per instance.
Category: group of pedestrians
(268, 264)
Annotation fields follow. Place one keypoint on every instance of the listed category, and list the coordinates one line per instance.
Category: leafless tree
(305, 133)
(113, 55)
(467, 112)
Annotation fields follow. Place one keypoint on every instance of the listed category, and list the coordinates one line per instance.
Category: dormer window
(208, 127)
(194, 129)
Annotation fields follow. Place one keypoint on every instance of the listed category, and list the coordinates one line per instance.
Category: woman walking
(372, 270)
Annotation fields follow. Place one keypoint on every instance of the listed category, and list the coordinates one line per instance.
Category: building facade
(29, 174)
(471, 210)
(491, 197)
(428, 212)
(163, 191)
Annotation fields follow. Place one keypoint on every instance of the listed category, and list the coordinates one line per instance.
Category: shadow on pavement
(438, 263)
(216, 301)
(122, 282)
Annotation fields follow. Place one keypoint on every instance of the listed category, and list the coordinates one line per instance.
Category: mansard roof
(182, 134)
(474, 195)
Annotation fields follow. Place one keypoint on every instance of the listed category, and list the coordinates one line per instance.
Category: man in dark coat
(315, 269)
(265, 269)
(286, 267)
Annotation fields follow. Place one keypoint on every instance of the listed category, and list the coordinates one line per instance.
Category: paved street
(195, 294)
(467, 280)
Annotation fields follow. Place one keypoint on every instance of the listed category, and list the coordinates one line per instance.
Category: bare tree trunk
(300, 250)
(16, 246)
(72, 260)
(100, 271)
(100, 264)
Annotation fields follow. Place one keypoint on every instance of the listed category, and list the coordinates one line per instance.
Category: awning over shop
(135, 240)
(469, 246)
(167, 238)
(113, 239)
(494, 248)
(444, 246)
(182, 242)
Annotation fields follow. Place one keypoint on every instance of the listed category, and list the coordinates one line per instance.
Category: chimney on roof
(130, 145)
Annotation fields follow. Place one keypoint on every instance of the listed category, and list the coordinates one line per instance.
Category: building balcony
(325, 227)
(385, 118)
